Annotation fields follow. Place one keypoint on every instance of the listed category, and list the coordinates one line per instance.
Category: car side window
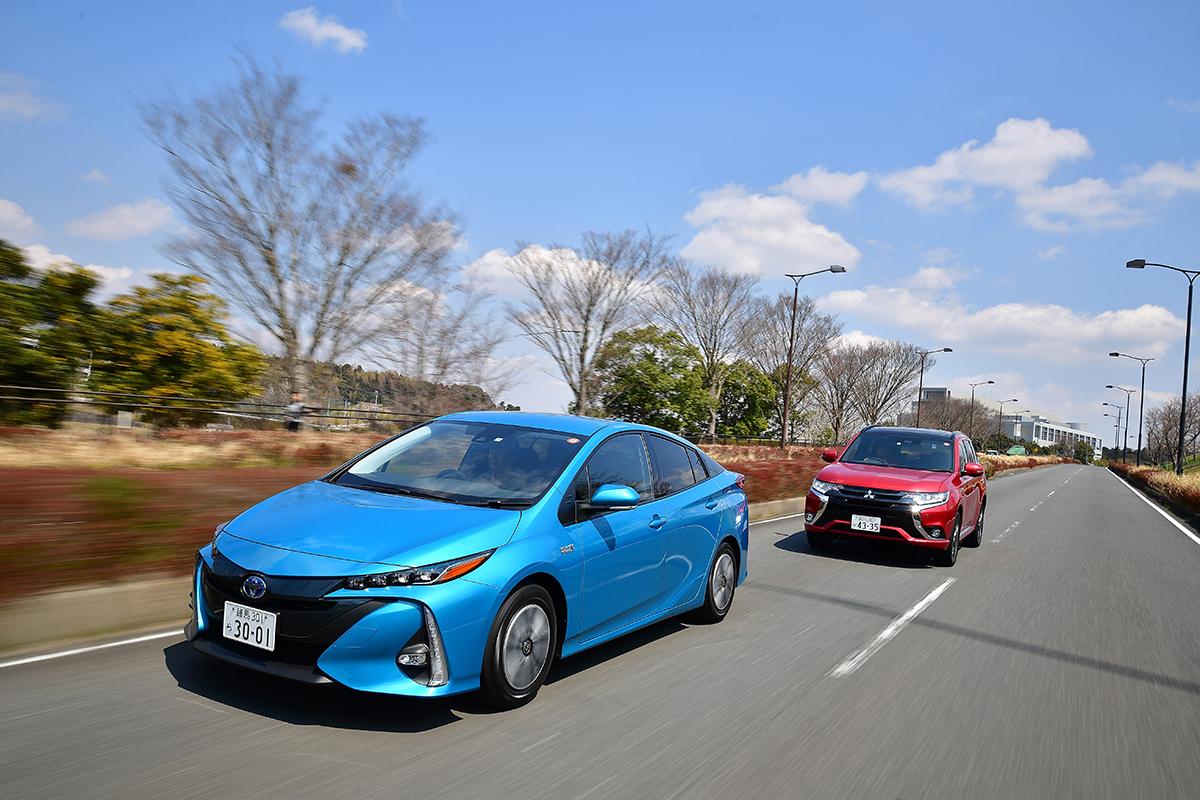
(621, 460)
(672, 468)
(971, 450)
(698, 471)
(711, 466)
(963, 457)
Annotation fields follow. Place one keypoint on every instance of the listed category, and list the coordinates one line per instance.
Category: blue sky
(985, 172)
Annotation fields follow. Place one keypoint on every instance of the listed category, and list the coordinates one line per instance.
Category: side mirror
(613, 497)
(973, 469)
(829, 454)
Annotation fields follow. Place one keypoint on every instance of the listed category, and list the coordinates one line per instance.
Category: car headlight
(823, 487)
(420, 576)
(928, 498)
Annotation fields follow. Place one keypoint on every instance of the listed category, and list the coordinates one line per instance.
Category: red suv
(913, 485)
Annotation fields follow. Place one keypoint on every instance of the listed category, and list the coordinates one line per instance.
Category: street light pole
(1191, 275)
(971, 418)
(1128, 392)
(786, 417)
(1117, 432)
(1141, 401)
(921, 380)
(1000, 419)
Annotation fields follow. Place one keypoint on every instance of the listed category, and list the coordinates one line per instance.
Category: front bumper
(326, 634)
(924, 527)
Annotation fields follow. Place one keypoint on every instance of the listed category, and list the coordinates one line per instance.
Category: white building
(1046, 432)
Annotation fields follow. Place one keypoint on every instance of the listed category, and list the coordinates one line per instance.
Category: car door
(693, 518)
(970, 487)
(623, 550)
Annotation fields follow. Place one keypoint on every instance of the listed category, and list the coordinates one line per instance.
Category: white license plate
(860, 523)
(251, 626)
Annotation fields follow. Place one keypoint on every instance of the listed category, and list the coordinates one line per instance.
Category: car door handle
(657, 522)
(711, 504)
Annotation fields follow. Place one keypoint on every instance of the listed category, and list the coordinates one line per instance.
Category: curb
(80, 613)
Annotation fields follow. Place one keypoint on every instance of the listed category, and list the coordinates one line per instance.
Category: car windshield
(903, 449)
(466, 462)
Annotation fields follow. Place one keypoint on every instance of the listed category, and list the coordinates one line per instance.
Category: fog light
(935, 532)
(809, 516)
(416, 655)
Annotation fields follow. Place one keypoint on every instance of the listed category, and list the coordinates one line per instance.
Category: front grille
(886, 497)
(306, 627)
(839, 512)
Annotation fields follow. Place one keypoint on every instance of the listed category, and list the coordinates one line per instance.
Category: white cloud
(1052, 252)
(1191, 106)
(308, 24)
(819, 185)
(15, 223)
(1019, 160)
(1021, 155)
(1166, 179)
(934, 278)
(123, 221)
(756, 233)
(1088, 203)
(18, 101)
(1044, 332)
(856, 339)
(94, 176)
(40, 257)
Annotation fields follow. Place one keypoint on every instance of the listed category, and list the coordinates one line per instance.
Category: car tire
(819, 541)
(719, 586)
(520, 649)
(949, 556)
(976, 537)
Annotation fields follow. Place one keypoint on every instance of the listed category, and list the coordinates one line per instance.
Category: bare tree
(887, 373)
(839, 371)
(447, 335)
(954, 414)
(765, 338)
(578, 298)
(707, 308)
(310, 242)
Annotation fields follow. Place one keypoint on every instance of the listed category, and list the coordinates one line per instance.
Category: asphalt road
(1063, 660)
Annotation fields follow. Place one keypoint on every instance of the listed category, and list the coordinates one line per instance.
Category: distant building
(931, 394)
(1046, 432)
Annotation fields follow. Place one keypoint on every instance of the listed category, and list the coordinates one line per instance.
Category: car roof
(563, 423)
(896, 429)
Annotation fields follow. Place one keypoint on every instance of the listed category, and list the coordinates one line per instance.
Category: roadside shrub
(1183, 489)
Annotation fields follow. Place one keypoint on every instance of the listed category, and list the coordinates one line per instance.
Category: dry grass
(997, 464)
(110, 448)
(1183, 489)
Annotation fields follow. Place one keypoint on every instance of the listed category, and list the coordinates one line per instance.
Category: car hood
(877, 477)
(322, 529)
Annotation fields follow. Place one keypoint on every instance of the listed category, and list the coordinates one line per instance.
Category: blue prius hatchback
(469, 552)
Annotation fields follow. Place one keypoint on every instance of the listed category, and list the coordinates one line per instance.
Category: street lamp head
(1109, 386)
(1137, 263)
(836, 268)
(991, 381)
(1115, 355)
(947, 349)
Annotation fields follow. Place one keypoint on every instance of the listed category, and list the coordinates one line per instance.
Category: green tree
(170, 338)
(45, 323)
(651, 376)
(747, 401)
(1084, 453)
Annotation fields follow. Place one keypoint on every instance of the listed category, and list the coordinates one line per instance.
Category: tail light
(740, 480)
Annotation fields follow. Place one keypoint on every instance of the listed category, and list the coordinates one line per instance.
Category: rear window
(672, 469)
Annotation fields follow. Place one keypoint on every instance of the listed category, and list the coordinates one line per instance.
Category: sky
(984, 172)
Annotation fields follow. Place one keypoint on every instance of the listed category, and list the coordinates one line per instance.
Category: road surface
(1062, 660)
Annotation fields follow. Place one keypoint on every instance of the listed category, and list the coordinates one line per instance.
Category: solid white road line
(887, 634)
(1152, 504)
(16, 662)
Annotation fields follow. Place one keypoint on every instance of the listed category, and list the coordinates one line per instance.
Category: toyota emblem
(254, 587)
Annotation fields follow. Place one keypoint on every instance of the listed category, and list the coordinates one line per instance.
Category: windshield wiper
(507, 502)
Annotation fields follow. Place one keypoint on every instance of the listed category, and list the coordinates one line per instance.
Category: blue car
(469, 552)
